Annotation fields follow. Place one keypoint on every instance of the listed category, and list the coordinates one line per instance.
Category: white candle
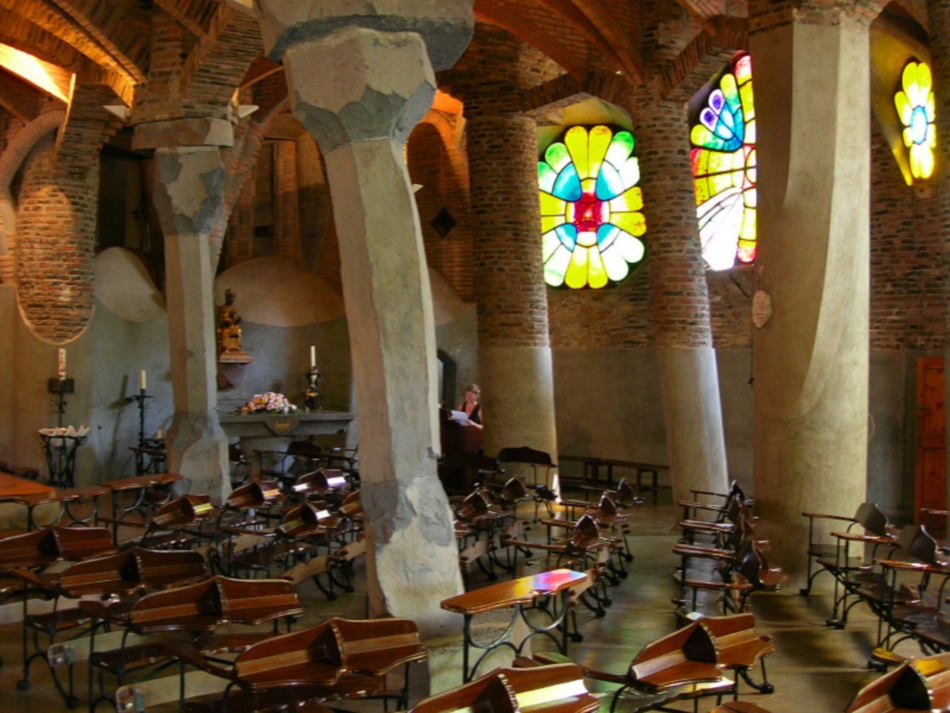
(313, 356)
(142, 380)
(62, 364)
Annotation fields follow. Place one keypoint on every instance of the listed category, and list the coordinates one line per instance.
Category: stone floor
(814, 668)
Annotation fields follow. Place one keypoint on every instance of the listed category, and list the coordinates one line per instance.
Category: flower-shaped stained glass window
(915, 105)
(591, 219)
(723, 158)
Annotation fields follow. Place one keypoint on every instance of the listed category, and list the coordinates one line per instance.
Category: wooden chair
(822, 549)
(747, 572)
(863, 580)
(557, 688)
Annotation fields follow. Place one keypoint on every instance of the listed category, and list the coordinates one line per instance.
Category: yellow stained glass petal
(631, 199)
(924, 76)
(552, 205)
(576, 141)
(576, 276)
(550, 222)
(633, 223)
(596, 270)
(904, 109)
(600, 137)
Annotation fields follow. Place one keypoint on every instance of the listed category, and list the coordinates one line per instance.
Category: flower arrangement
(269, 402)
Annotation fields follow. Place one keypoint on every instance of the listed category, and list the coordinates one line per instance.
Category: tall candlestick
(62, 364)
(313, 356)
(142, 381)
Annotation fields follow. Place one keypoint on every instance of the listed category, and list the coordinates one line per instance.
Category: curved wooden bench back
(558, 688)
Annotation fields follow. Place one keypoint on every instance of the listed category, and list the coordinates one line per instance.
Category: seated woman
(471, 407)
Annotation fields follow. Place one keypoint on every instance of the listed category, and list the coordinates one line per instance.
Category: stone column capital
(446, 26)
(189, 193)
(183, 132)
(359, 84)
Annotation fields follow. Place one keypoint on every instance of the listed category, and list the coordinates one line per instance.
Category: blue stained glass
(567, 234)
(609, 182)
(567, 187)
(606, 234)
(590, 248)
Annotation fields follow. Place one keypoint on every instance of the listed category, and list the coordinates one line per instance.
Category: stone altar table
(264, 425)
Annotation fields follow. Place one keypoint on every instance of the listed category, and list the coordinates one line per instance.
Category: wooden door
(931, 437)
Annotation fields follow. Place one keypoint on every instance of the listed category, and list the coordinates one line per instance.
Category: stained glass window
(723, 158)
(915, 105)
(591, 219)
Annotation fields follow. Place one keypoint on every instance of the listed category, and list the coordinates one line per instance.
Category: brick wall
(55, 243)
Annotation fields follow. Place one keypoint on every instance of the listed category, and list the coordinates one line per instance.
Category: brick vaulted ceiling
(106, 42)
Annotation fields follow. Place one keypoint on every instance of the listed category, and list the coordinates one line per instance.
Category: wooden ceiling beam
(91, 27)
(20, 99)
(181, 13)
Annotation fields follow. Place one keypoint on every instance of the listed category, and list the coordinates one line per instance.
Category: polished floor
(815, 668)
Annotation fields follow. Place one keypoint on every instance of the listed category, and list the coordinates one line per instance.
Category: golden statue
(230, 332)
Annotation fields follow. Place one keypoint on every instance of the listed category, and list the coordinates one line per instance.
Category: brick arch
(437, 163)
(11, 160)
(55, 248)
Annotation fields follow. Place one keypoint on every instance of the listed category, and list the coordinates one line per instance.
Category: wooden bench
(341, 658)
(45, 547)
(518, 595)
(682, 665)
(558, 688)
(322, 484)
(591, 468)
(903, 689)
(51, 550)
(187, 612)
(740, 647)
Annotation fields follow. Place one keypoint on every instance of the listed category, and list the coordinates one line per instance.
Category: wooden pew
(321, 484)
(680, 666)
(739, 647)
(190, 613)
(50, 550)
(340, 658)
(558, 688)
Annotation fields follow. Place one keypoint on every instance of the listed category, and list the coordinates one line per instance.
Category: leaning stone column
(679, 300)
(811, 358)
(188, 197)
(359, 85)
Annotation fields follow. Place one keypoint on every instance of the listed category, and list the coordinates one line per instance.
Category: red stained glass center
(588, 213)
